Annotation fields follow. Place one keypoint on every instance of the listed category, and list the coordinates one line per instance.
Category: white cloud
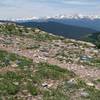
(25, 8)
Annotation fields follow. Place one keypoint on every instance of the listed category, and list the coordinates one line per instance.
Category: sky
(39, 8)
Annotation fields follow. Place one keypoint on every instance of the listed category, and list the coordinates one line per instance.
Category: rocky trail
(86, 73)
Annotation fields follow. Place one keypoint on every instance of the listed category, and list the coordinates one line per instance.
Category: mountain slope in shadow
(94, 38)
(56, 28)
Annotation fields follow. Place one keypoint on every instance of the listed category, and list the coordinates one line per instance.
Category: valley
(68, 31)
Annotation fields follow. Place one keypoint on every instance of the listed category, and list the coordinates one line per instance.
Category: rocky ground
(35, 65)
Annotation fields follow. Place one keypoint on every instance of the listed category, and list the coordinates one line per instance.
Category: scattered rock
(72, 81)
(45, 85)
(15, 83)
(14, 65)
(84, 94)
(90, 84)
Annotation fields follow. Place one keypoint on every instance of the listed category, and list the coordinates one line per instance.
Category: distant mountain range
(88, 21)
(75, 27)
(92, 22)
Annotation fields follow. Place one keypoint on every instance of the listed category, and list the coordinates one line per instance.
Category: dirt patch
(7, 69)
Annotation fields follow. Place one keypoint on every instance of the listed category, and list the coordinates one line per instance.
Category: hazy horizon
(39, 8)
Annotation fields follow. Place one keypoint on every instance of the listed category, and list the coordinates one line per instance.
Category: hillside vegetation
(36, 65)
(94, 38)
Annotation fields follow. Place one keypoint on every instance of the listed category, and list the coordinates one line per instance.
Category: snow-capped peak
(77, 16)
(61, 16)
